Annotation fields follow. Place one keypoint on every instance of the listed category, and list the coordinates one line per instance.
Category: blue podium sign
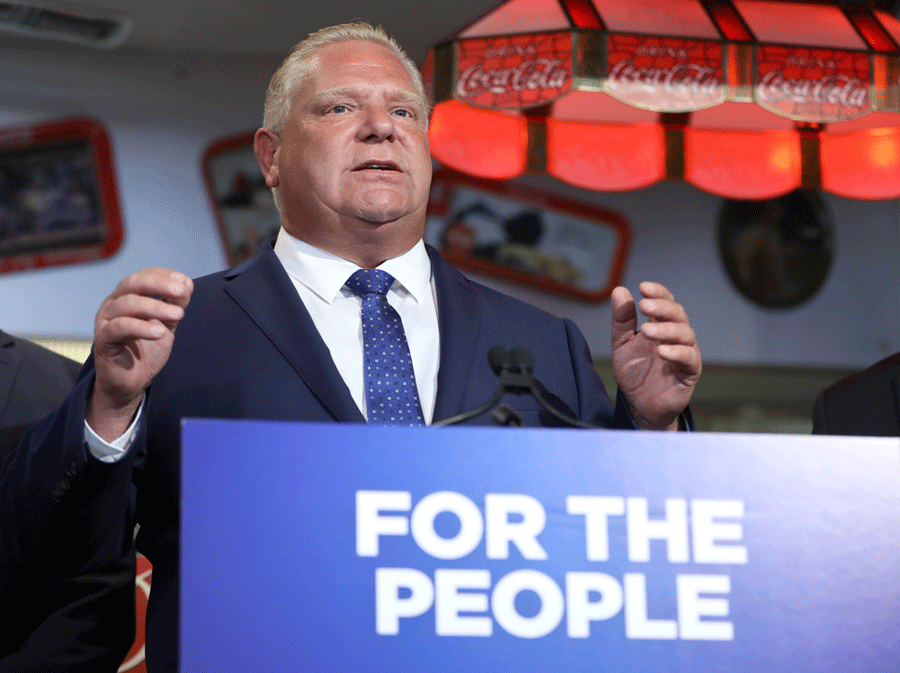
(312, 547)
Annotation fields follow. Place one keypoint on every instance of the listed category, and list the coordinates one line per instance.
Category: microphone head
(522, 359)
(499, 359)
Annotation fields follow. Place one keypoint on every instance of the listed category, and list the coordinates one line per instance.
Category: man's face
(353, 164)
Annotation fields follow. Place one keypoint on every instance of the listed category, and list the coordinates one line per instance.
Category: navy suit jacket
(866, 403)
(56, 617)
(247, 348)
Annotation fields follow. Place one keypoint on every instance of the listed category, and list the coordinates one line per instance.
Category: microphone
(514, 368)
(509, 368)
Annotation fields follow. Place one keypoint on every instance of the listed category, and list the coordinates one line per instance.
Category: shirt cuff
(112, 452)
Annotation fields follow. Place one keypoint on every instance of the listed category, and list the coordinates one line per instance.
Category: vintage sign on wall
(527, 236)
(58, 200)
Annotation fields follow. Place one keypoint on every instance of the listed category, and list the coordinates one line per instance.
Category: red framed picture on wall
(58, 198)
(527, 236)
(244, 206)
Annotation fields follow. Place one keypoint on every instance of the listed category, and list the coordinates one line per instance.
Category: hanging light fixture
(746, 99)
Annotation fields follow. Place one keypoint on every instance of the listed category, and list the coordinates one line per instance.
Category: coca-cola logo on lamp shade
(746, 99)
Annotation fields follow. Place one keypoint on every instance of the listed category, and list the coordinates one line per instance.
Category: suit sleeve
(595, 405)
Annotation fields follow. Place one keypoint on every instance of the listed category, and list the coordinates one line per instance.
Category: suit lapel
(9, 367)
(459, 320)
(264, 291)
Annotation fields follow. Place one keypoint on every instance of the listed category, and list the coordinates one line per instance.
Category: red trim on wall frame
(58, 198)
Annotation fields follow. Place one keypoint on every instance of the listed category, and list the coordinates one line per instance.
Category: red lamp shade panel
(742, 98)
(743, 164)
(605, 157)
(863, 165)
(479, 142)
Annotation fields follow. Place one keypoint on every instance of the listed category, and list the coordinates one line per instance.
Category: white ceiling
(274, 26)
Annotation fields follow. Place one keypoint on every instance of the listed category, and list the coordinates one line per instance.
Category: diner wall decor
(58, 200)
(243, 205)
(777, 252)
(527, 236)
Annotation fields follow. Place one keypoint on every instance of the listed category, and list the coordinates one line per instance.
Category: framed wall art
(244, 207)
(777, 252)
(527, 236)
(58, 199)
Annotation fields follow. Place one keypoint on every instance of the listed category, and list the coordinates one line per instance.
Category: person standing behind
(33, 382)
(74, 623)
(866, 403)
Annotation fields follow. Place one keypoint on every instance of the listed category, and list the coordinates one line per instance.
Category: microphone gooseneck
(514, 368)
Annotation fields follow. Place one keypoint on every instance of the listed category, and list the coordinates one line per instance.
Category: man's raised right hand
(133, 335)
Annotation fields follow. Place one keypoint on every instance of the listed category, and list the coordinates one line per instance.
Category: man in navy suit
(61, 620)
(345, 149)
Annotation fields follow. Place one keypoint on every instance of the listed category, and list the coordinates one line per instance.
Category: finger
(138, 306)
(652, 290)
(663, 310)
(623, 310)
(187, 290)
(169, 285)
(126, 328)
(687, 358)
(624, 315)
(670, 333)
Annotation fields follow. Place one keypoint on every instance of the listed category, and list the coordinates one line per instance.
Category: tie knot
(370, 281)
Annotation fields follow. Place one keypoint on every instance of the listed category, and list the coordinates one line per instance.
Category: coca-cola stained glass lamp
(746, 99)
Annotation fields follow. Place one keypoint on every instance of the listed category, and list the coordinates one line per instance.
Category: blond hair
(296, 69)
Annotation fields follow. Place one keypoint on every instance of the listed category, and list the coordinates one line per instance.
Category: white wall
(853, 321)
(162, 113)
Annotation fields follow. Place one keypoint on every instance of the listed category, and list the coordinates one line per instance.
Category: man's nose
(378, 124)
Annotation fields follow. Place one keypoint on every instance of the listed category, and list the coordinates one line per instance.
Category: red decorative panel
(606, 157)
(743, 164)
(485, 143)
(134, 660)
(862, 165)
(665, 74)
(514, 71)
(816, 85)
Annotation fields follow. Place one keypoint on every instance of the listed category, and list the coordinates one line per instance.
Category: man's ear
(265, 145)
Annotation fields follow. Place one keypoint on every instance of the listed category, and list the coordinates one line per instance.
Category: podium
(314, 547)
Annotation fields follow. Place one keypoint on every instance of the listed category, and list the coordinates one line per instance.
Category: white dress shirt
(319, 279)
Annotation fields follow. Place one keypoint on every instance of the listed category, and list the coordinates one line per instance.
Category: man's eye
(339, 108)
(403, 113)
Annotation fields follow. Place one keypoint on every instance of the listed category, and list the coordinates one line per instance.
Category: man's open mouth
(378, 166)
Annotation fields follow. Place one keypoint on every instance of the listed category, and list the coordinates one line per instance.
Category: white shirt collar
(325, 273)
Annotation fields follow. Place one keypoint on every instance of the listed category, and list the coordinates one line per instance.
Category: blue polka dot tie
(391, 394)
